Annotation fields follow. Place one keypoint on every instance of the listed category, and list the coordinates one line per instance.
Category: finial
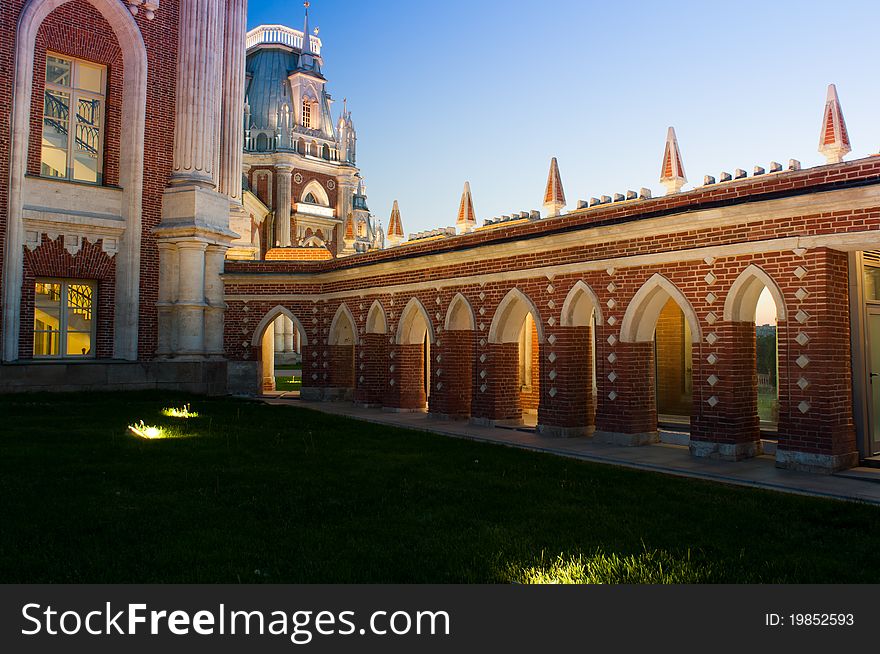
(554, 195)
(467, 219)
(672, 172)
(834, 139)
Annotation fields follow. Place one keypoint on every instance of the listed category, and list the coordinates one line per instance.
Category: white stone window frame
(75, 95)
(131, 157)
(63, 355)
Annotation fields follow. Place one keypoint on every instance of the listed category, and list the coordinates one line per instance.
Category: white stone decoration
(801, 294)
(552, 357)
(552, 375)
(482, 311)
(482, 342)
(611, 287)
(439, 358)
(711, 318)
(611, 303)
(709, 260)
(800, 272)
(482, 296)
(612, 340)
(361, 306)
(483, 388)
(610, 272)
(710, 279)
(437, 316)
(438, 301)
(482, 327)
(803, 361)
(150, 7)
(804, 406)
(391, 383)
(361, 379)
(551, 321)
(483, 358)
(612, 320)
(803, 383)
(612, 396)
(802, 339)
(712, 401)
(552, 339)
(245, 344)
(612, 358)
(713, 379)
(439, 386)
(298, 178)
(392, 354)
(482, 374)
(799, 252)
(551, 304)
(711, 338)
(712, 359)
(612, 377)
(802, 316)
(550, 288)
(710, 298)
(553, 392)
(315, 377)
(440, 372)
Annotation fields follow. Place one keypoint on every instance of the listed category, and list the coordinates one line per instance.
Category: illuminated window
(64, 319)
(307, 114)
(73, 151)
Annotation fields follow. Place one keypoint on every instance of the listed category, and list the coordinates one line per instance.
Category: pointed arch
(270, 317)
(343, 327)
(460, 315)
(644, 309)
(131, 156)
(315, 188)
(742, 299)
(509, 316)
(580, 305)
(377, 322)
(413, 319)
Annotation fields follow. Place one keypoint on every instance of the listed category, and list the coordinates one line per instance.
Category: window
(73, 151)
(64, 318)
(310, 199)
(307, 114)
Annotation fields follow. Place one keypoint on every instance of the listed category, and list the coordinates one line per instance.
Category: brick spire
(395, 227)
(554, 195)
(834, 139)
(467, 219)
(672, 173)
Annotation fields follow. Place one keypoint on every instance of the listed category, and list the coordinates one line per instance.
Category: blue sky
(489, 91)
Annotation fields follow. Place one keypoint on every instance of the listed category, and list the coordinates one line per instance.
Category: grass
(288, 383)
(252, 493)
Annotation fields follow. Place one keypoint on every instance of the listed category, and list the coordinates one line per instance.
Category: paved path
(861, 484)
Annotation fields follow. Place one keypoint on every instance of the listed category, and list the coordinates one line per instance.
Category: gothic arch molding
(509, 317)
(580, 304)
(460, 315)
(270, 317)
(644, 309)
(742, 299)
(337, 332)
(377, 322)
(413, 314)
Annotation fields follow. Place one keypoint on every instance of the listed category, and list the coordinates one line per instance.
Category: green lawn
(253, 493)
(288, 383)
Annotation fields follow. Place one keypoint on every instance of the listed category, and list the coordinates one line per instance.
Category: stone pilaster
(232, 133)
(215, 308)
(283, 174)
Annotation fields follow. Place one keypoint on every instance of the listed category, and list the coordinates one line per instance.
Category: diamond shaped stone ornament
(483, 388)
(802, 316)
(804, 407)
(551, 304)
(802, 339)
(713, 380)
(709, 261)
(711, 338)
(612, 321)
(553, 392)
(612, 396)
(552, 375)
(610, 272)
(712, 359)
(712, 401)
(612, 358)
(803, 383)
(483, 358)
(612, 287)
(552, 339)
(552, 357)
(800, 272)
(482, 311)
(801, 294)
(710, 279)
(803, 361)
(611, 303)
(711, 318)
(710, 298)
(612, 377)
(551, 321)
(550, 288)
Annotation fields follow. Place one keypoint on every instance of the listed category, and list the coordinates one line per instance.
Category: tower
(834, 139)
(395, 227)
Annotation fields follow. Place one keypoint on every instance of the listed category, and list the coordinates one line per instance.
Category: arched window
(307, 113)
(310, 199)
(301, 146)
(262, 142)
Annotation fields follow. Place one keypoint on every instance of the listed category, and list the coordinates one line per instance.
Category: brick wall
(340, 361)
(372, 363)
(456, 365)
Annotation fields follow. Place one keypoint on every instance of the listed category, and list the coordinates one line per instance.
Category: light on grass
(180, 412)
(145, 431)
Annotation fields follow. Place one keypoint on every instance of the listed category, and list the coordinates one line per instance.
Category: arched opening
(662, 327)
(262, 142)
(326, 152)
(301, 146)
(415, 338)
(280, 324)
(372, 358)
(755, 300)
(340, 343)
(517, 332)
(453, 386)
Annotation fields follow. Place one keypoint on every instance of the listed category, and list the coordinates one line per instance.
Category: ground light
(180, 412)
(146, 431)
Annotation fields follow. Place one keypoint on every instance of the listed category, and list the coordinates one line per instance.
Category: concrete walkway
(860, 484)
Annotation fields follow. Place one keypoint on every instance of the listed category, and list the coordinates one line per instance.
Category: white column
(282, 211)
(232, 128)
(215, 255)
(199, 68)
(268, 357)
(288, 335)
(279, 334)
(191, 298)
